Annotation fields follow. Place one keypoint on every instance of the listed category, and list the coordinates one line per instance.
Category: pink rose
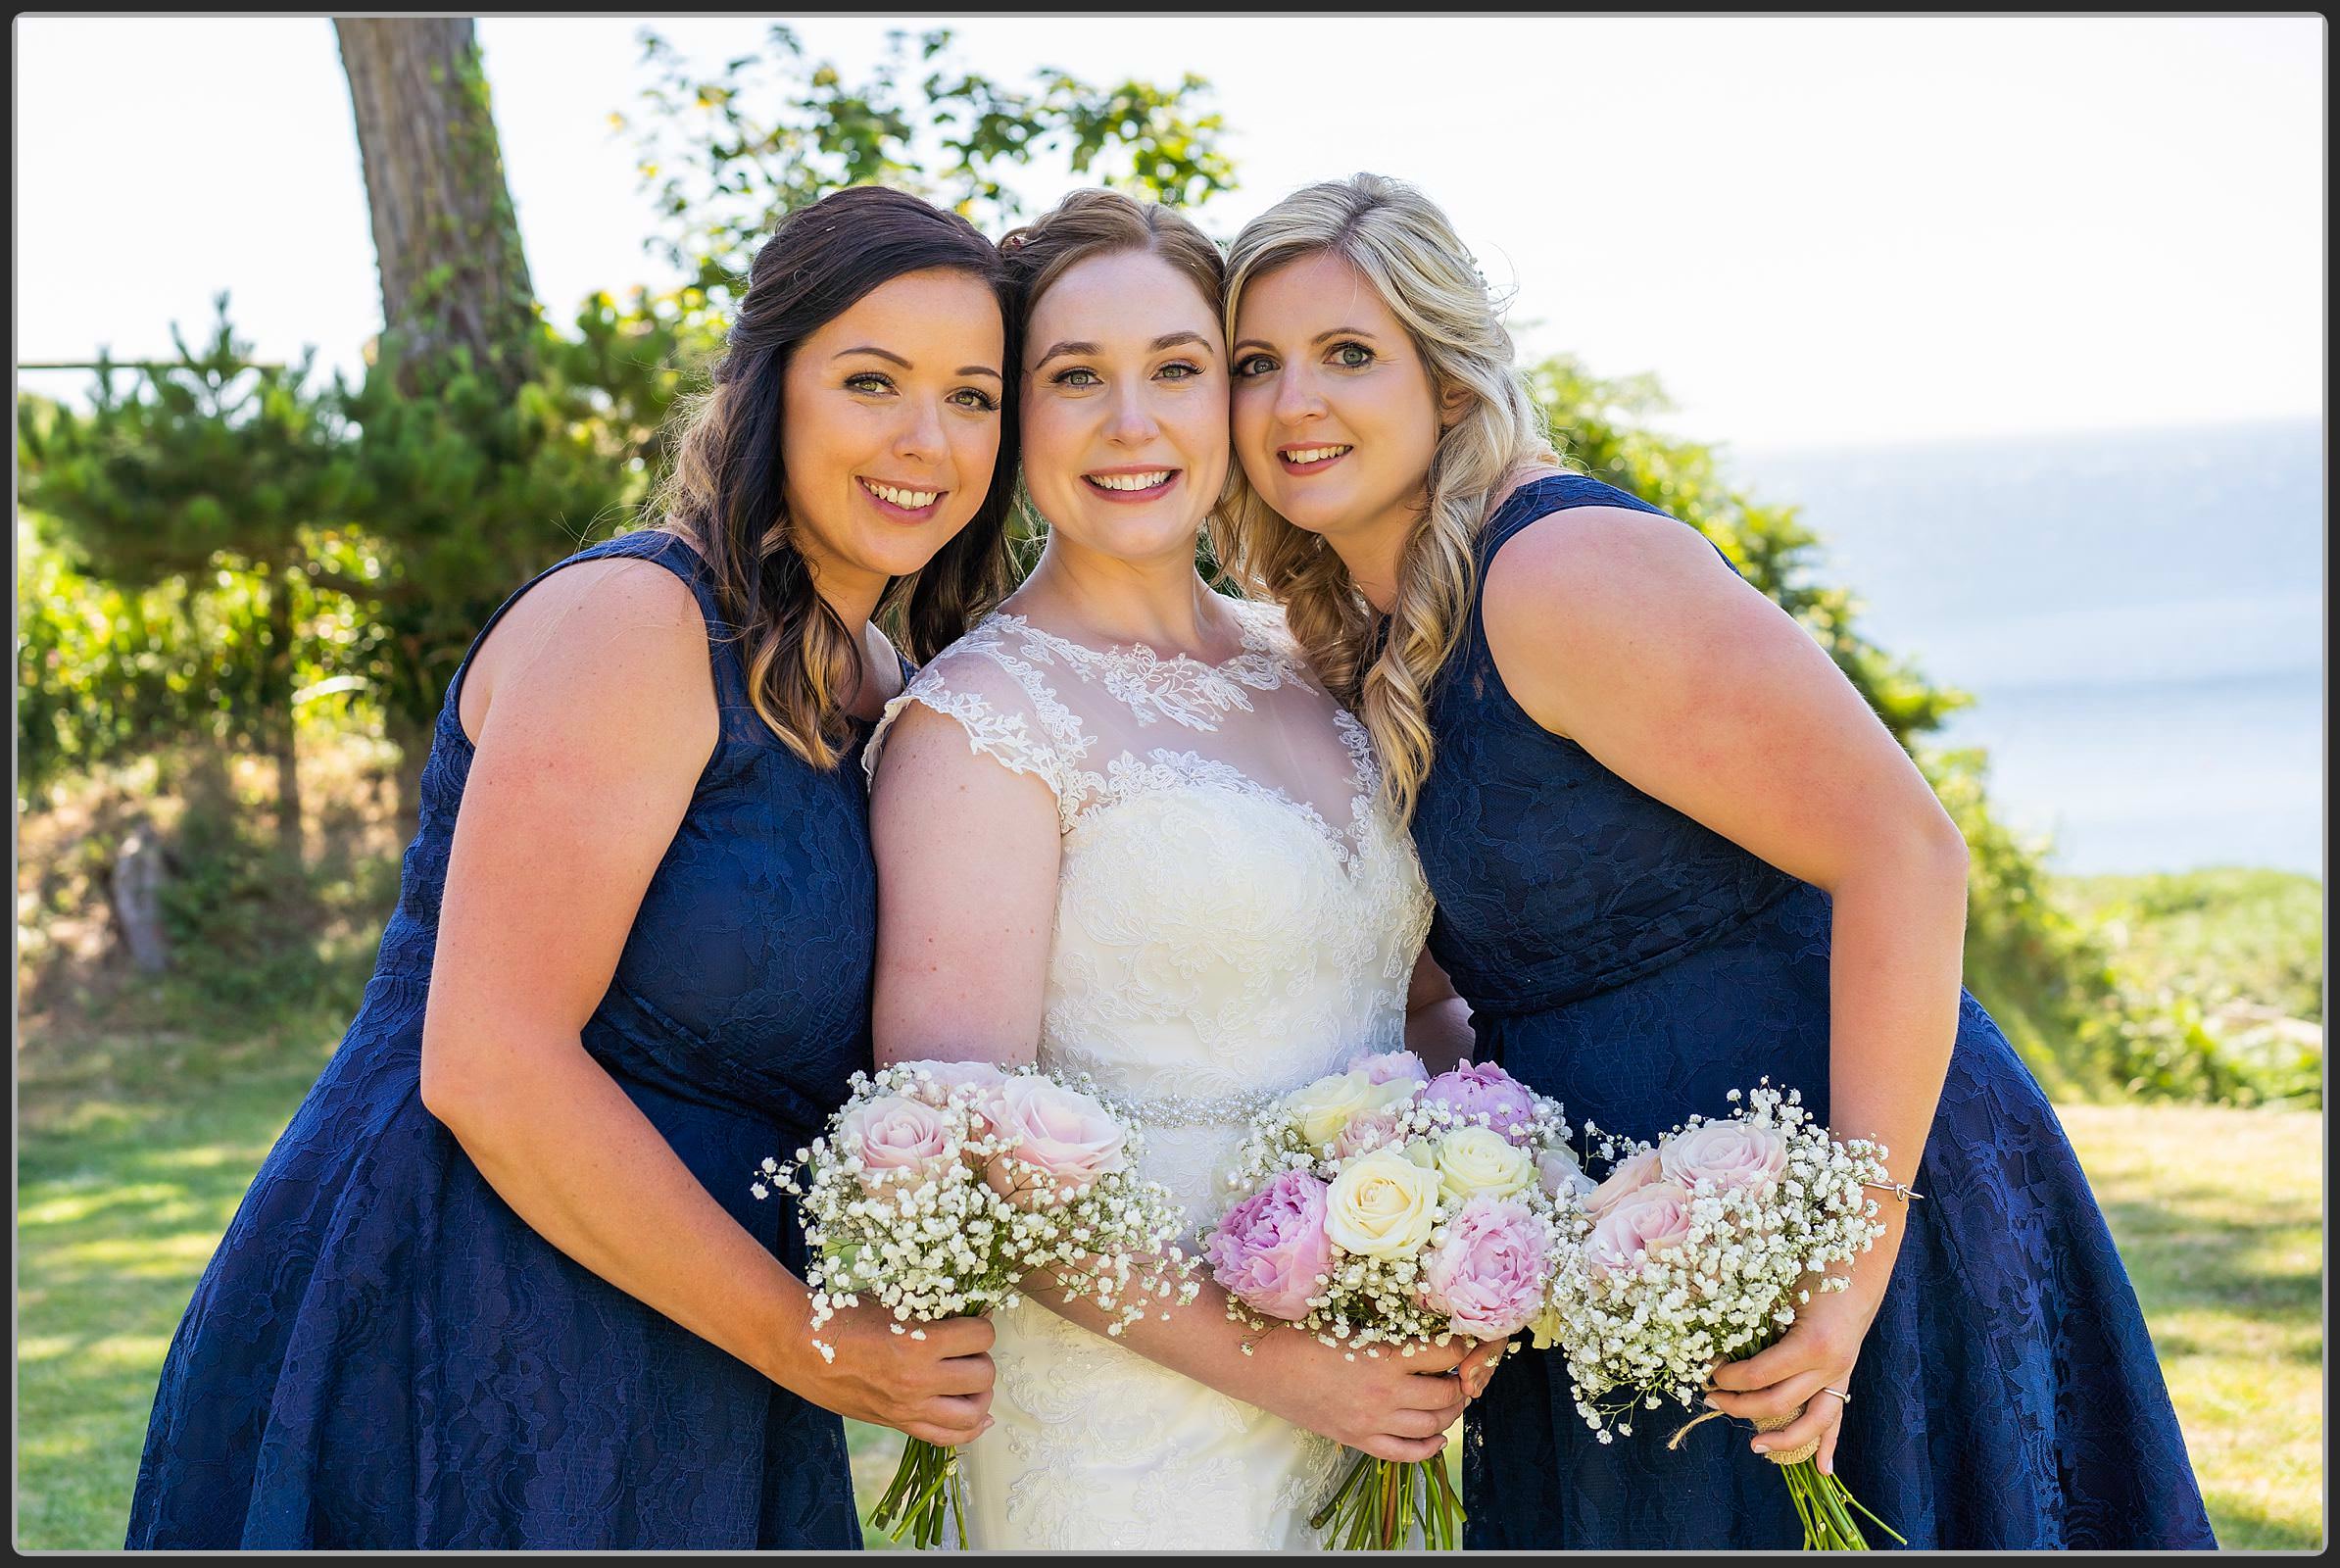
(1628, 1178)
(1728, 1154)
(896, 1139)
(1365, 1133)
(1653, 1219)
(1272, 1246)
(1473, 1089)
(1063, 1132)
(1561, 1176)
(1488, 1275)
(1388, 1066)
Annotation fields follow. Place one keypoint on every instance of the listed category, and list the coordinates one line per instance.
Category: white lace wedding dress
(1235, 916)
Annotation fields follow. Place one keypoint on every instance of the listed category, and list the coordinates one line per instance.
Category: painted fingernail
(1710, 1405)
(1761, 1448)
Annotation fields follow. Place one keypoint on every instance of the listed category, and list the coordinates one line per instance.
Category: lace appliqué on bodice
(1238, 913)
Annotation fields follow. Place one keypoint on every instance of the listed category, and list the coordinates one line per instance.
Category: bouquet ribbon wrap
(1768, 1423)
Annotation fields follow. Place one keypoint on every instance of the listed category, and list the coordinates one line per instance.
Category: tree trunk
(136, 888)
(414, 749)
(282, 722)
(452, 272)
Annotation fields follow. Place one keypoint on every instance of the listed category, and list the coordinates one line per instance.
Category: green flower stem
(926, 1486)
(1379, 1502)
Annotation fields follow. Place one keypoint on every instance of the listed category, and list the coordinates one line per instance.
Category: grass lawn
(123, 1194)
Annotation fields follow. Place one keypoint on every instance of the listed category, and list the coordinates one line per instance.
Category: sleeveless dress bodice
(1235, 916)
(1638, 966)
(382, 1354)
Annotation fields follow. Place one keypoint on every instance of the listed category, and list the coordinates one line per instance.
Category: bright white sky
(1817, 231)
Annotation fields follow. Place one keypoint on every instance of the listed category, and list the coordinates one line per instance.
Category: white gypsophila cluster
(1370, 1300)
(1654, 1322)
(959, 1232)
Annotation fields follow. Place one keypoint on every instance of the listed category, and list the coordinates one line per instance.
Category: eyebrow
(890, 358)
(1338, 331)
(1165, 341)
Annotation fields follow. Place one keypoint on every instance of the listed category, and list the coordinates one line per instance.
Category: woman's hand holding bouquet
(1384, 1212)
(1702, 1249)
(938, 1189)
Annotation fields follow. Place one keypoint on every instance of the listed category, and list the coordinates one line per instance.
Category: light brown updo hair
(725, 493)
(1408, 252)
(1104, 222)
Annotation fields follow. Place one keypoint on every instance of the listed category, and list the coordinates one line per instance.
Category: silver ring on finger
(1839, 1392)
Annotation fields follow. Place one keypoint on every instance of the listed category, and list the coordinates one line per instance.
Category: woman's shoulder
(1537, 492)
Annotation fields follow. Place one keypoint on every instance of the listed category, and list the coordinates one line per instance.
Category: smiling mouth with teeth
(1310, 455)
(907, 500)
(1130, 482)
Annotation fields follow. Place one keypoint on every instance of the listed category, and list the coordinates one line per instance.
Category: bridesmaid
(501, 1284)
(1673, 852)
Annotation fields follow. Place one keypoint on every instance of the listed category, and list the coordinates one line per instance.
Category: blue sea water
(2138, 614)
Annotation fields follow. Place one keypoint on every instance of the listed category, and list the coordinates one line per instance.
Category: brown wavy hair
(725, 491)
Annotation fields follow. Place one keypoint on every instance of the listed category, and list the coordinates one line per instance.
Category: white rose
(1383, 1206)
(1480, 1159)
(1323, 1107)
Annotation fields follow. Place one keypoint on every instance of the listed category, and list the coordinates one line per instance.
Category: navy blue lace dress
(382, 1355)
(1624, 959)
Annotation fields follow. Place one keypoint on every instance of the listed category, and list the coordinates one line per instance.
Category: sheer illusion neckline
(1256, 642)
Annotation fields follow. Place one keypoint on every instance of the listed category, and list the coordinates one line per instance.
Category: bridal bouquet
(1693, 1252)
(941, 1187)
(1381, 1207)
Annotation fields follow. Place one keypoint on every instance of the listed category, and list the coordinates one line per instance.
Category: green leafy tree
(726, 154)
(483, 441)
(198, 467)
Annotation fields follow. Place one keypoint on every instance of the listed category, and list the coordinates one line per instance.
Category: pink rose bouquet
(941, 1187)
(1695, 1250)
(1382, 1208)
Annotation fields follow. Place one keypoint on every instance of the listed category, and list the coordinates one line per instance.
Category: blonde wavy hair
(1402, 245)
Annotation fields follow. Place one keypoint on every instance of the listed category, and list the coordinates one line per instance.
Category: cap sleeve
(1005, 710)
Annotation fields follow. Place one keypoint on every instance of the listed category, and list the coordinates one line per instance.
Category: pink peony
(1628, 1178)
(1728, 1154)
(1063, 1132)
(1485, 1088)
(1488, 1276)
(1272, 1246)
(1388, 1066)
(896, 1139)
(1653, 1219)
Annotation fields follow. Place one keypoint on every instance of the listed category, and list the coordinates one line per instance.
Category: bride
(1120, 825)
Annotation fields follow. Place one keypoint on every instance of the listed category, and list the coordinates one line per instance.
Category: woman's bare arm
(593, 712)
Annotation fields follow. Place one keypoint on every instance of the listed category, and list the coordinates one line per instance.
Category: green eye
(869, 381)
(1067, 377)
(1256, 364)
(1353, 356)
